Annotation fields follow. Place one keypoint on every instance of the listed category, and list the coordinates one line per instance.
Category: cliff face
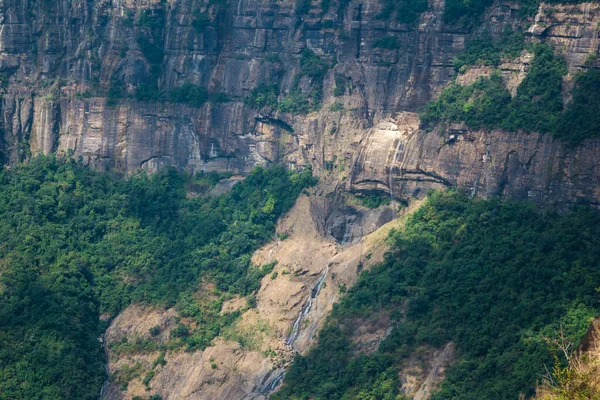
(60, 60)
(69, 70)
(398, 158)
(62, 63)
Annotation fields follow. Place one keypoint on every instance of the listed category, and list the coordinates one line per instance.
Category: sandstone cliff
(69, 70)
(60, 60)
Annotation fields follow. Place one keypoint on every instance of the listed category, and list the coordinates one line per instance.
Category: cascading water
(273, 379)
(390, 180)
(106, 383)
(306, 309)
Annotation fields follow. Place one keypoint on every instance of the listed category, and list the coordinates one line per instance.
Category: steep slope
(224, 86)
(93, 76)
(311, 274)
(471, 294)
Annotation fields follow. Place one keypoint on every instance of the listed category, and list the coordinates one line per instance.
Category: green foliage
(340, 85)
(76, 244)
(581, 118)
(335, 107)
(155, 330)
(372, 199)
(151, 49)
(273, 58)
(188, 93)
(148, 92)
(539, 98)
(484, 50)
(304, 102)
(387, 42)
(492, 277)
(468, 12)
(151, 44)
(147, 378)
(127, 20)
(464, 10)
(149, 19)
(302, 7)
(536, 107)
(404, 11)
(113, 94)
(484, 103)
(263, 96)
(127, 373)
(200, 21)
(203, 182)
(296, 101)
(313, 66)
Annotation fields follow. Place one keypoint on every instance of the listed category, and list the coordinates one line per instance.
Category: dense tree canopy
(492, 277)
(75, 244)
(537, 106)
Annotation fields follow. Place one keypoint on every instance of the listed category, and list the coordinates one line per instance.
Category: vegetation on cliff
(77, 244)
(298, 100)
(537, 106)
(484, 50)
(576, 371)
(494, 278)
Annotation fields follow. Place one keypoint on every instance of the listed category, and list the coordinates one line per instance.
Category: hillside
(324, 199)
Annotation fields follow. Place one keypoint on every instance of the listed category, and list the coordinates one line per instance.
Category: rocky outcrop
(60, 60)
(60, 63)
(70, 69)
(404, 161)
(250, 359)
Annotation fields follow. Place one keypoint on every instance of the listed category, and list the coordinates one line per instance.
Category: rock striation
(70, 69)
(70, 79)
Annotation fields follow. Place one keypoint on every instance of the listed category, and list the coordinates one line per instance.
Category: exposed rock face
(227, 370)
(404, 161)
(69, 70)
(59, 61)
(57, 54)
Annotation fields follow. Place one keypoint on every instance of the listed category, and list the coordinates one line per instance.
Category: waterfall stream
(273, 379)
(306, 309)
(106, 383)
(390, 175)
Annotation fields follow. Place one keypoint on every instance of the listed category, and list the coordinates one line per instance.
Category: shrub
(387, 42)
(302, 7)
(581, 118)
(152, 51)
(188, 93)
(404, 11)
(313, 66)
(340, 85)
(263, 96)
(487, 103)
(484, 50)
(336, 107)
(155, 330)
(200, 21)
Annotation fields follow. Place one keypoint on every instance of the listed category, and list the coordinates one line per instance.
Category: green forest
(75, 244)
(538, 104)
(494, 278)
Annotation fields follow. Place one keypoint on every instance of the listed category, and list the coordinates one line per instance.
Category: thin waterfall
(306, 308)
(273, 379)
(390, 180)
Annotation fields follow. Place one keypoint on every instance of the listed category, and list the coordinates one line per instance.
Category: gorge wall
(70, 70)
